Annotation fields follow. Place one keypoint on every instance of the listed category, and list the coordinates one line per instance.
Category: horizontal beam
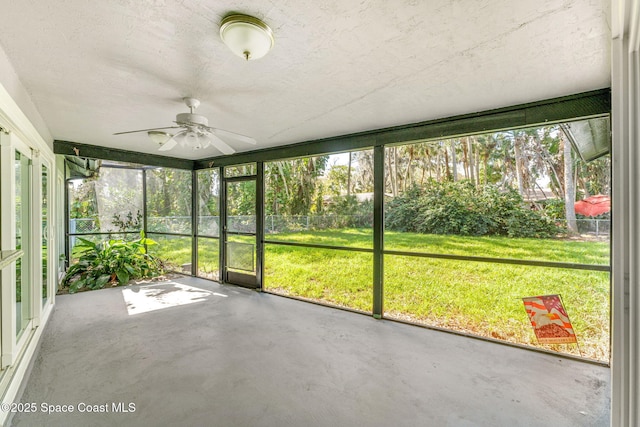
(473, 258)
(572, 107)
(523, 262)
(317, 246)
(69, 148)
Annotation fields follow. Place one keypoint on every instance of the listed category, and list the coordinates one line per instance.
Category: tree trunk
(454, 161)
(446, 163)
(407, 173)
(485, 162)
(472, 176)
(391, 173)
(478, 167)
(396, 175)
(465, 157)
(166, 197)
(518, 159)
(426, 165)
(569, 188)
(349, 177)
(284, 179)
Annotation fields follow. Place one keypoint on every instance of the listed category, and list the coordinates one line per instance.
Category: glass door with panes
(239, 229)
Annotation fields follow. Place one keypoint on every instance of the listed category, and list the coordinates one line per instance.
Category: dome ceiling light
(246, 36)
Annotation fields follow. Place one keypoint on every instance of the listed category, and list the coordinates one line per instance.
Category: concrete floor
(236, 357)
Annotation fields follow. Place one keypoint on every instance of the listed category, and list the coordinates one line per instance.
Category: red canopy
(594, 205)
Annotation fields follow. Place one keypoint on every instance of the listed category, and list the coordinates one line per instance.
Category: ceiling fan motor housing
(191, 119)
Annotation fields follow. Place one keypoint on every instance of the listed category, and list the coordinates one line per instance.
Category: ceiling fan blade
(147, 130)
(233, 135)
(168, 145)
(221, 145)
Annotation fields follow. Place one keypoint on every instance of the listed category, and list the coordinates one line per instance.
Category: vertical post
(67, 254)
(259, 225)
(144, 202)
(223, 227)
(378, 230)
(194, 223)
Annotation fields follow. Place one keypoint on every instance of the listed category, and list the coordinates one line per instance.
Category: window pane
(321, 200)
(209, 258)
(241, 206)
(240, 170)
(169, 200)
(45, 231)
(333, 277)
(174, 251)
(22, 169)
(108, 202)
(209, 202)
(241, 253)
(510, 194)
(486, 299)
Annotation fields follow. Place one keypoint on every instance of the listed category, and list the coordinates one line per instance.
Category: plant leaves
(123, 276)
(102, 280)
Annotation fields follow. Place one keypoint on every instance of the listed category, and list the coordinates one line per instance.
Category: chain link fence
(169, 224)
(600, 228)
(291, 223)
(84, 225)
(210, 225)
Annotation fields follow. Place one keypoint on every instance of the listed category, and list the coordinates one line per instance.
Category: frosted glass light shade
(159, 137)
(246, 36)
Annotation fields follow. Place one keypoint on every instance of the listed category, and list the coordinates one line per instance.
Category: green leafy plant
(112, 261)
(128, 222)
(461, 208)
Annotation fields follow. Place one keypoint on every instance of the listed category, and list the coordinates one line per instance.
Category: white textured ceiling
(93, 68)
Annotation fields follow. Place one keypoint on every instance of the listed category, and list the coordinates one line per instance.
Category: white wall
(14, 88)
(20, 133)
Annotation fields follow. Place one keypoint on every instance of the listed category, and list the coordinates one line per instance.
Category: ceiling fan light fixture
(246, 36)
(203, 141)
(180, 138)
(159, 137)
(192, 139)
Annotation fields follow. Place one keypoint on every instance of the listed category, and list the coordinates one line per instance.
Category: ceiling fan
(195, 134)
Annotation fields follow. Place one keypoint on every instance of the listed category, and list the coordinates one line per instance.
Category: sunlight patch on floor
(142, 299)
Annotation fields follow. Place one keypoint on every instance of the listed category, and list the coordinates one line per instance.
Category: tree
(292, 186)
(337, 179)
(569, 189)
(82, 198)
(169, 198)
(209, 192)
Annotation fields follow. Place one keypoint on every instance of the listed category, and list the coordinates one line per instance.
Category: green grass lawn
(475, 297)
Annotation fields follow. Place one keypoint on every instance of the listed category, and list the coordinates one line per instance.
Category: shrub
(553, 208)
(351, 212)
(462, 209)
(112, 261)
(402, 212)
